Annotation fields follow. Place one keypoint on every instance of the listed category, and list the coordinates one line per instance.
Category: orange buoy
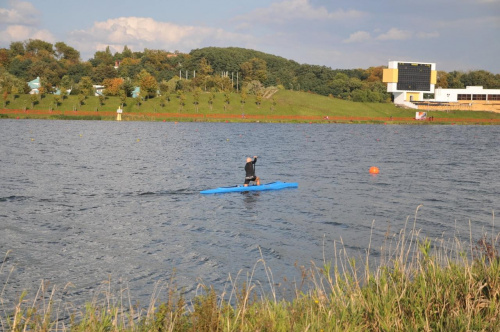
(374, 170)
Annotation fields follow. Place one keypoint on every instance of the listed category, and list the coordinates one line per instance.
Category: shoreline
(235, 118)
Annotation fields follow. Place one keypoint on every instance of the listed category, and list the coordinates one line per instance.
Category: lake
(81, 201)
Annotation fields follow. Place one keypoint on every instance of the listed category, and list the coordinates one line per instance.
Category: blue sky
(456, 34)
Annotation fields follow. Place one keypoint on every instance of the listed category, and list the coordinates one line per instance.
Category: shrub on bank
(422, 286)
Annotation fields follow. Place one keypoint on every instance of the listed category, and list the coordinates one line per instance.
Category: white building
(470, 93)
(99, 90)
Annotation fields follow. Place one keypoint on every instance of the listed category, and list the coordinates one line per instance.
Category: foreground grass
(417, 286)
(283, 103)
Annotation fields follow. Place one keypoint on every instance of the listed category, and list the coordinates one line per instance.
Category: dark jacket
(250, 168)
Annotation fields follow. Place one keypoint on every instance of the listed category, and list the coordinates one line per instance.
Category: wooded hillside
(207, 69)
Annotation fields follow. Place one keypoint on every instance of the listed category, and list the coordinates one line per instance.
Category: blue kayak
(240, 188)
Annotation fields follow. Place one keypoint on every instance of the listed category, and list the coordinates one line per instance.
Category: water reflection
(250, 199)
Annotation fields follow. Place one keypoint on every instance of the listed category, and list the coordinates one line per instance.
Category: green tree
(39, 47)
(243, 97)
(127, 87)
(81, 99)
(163, 100)
(182, 100)
(113, 86)
(127, 53)
(253, 87)
(42, 90)
(340, 86)
(15, 91)
(5, 96)
(16, 48)
(103, 72)
(123, 97)
(479, 78)
(204, 72)
(164, 87)
(255, 69)
(360, 95)
(355, 83)
(19, 68)
(196, 97)
(66, 52)
(65, 84)
(442, 80)
(454, 80)
(148, 84)
(258, 97)
(57, 100)
(4, 57)
(103, 57)
(85, 86)
(211, 98)
(34, 100)
(77, 70)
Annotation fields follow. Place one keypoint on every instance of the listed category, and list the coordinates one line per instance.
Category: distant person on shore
(250, 171)
(119, 112)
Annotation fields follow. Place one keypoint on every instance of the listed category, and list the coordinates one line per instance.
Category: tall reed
(417, 284)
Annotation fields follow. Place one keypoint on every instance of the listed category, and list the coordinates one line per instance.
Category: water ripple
(74, 213)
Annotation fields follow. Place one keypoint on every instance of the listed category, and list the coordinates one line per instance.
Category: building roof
(136, 92)
(35, 84)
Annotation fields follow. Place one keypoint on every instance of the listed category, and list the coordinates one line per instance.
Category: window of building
(478, 97)
(493, 97)
(464, 97)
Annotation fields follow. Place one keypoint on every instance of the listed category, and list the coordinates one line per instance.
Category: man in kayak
(250, 171)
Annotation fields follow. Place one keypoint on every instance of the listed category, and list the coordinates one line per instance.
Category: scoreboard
(414, 76)
(410, 77)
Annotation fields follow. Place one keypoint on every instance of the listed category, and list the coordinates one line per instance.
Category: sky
(458, 35)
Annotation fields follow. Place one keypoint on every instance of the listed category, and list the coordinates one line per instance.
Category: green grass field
(283, 106)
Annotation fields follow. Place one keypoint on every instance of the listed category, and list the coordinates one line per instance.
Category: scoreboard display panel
(414, 76)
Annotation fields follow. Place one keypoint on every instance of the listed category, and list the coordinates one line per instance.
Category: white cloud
(140, 32)
(395, 34)
(358, 37)
(289, 10)
(19, 22)
(392, 34)
(20, 12)
(21, 32)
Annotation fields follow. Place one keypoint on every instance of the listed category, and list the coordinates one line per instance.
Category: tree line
(207, 69)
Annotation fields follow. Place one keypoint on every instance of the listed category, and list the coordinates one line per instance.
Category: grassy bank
(418, 285)
(283, 106)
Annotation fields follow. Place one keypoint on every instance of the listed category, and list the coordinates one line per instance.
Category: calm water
(82, 201)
